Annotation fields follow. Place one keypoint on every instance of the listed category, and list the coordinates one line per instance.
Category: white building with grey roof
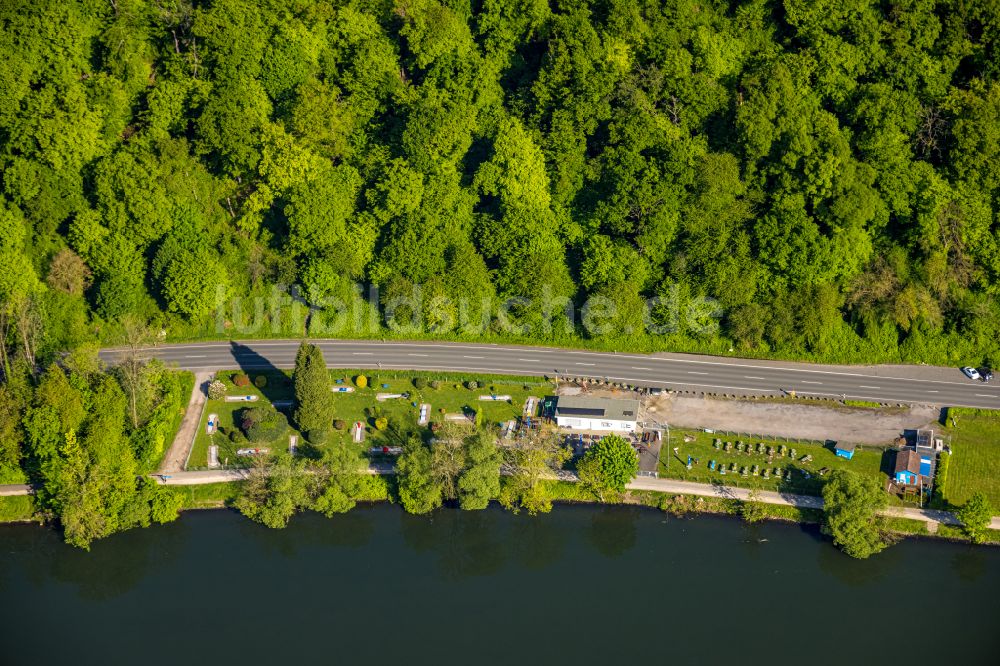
(601, 414)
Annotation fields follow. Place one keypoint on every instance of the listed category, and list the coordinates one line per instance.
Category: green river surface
(582, 585)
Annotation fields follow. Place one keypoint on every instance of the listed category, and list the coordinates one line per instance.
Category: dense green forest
(828, 171)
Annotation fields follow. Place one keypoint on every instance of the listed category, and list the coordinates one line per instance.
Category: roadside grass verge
(804, 478)
(975, 458)
(284, 323)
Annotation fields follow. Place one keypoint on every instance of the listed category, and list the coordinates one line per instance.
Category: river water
(583, 585)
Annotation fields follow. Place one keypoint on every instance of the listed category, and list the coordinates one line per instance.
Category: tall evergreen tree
(314, 408)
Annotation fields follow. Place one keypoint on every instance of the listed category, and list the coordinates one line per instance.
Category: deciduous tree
(419, 491)
(852, 504)
(529, 463)
(277, 487)
(975, 516)
(479, 482)
(608, 466)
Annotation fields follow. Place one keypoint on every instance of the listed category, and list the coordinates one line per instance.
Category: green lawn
(361, 405)
(673, 465)
(907, 526)
(16, 508)
(975, 461)
(207, 496)
(278, 387)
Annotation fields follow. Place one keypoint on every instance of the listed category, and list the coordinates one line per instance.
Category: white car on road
(971, 373)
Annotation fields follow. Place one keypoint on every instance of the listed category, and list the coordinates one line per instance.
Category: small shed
(844, 450)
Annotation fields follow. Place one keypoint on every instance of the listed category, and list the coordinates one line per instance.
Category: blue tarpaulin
(925, 466)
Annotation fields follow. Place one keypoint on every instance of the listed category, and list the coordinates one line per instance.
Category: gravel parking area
(788, 420)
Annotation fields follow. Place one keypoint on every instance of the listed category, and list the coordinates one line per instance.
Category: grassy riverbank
(17, 509)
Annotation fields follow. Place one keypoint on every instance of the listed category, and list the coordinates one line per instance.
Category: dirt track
(177, 455)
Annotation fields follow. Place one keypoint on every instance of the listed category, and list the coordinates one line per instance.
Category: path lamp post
(667, 426)
(668, 444)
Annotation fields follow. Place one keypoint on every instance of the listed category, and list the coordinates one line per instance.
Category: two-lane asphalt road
(909, 384)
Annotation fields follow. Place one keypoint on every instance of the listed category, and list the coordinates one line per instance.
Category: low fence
(723, 434)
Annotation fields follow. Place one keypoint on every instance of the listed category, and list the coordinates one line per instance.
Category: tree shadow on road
(278, 386)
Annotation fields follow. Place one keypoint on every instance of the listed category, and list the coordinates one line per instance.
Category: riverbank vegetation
(84, 437)
(786, 179)
(852, 514)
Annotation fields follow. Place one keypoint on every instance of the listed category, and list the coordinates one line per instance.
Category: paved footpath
(787, 499)
(657, 485)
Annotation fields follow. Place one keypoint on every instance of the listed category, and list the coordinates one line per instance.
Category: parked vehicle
(971, 373)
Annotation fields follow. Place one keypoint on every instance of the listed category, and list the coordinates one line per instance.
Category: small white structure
(602, 414)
